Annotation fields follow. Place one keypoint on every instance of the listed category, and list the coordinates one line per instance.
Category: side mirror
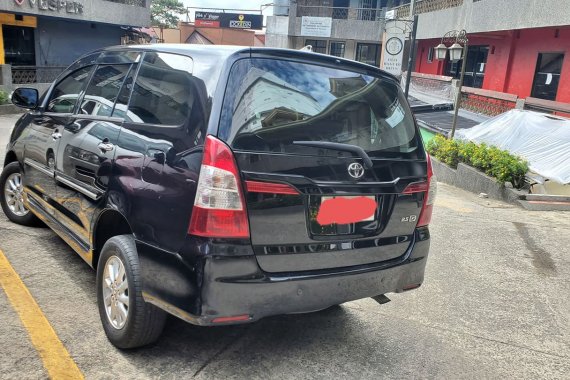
(73, 127)
(25, 98)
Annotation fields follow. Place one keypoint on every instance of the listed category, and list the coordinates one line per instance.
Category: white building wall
(276, 34)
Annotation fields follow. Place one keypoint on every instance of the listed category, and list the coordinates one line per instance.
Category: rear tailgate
(305, 203)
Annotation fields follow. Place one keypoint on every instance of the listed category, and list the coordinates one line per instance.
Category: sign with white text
(67, 6)
(316, 26)
(390, 15)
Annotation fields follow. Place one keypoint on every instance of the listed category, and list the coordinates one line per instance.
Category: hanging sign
(393, 48)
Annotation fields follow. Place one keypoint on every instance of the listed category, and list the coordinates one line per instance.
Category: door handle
(56, 135)
(105, 146)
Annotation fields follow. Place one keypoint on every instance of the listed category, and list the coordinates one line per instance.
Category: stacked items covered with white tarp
(542, 140)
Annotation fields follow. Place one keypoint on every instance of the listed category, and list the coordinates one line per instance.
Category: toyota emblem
(355, 170)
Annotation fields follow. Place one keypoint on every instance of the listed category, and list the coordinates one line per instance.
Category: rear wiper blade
(342, 147)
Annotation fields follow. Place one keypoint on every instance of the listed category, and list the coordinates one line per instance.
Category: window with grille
(319, 46)
(337, 49)
(367, 10)
(368, 53)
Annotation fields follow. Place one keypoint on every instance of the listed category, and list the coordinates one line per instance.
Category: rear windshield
(270, 104)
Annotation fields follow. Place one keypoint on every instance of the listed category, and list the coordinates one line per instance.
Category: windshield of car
(270, 104)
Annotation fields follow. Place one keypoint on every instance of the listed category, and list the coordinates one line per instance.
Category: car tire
(127, 319)
(11, 196)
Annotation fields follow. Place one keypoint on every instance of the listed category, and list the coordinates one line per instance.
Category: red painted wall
(497, 60)
(528, 45)
(512, 58)
(422, 65)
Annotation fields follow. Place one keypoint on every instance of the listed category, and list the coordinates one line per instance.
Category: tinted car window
(269, 104)
(162, 91)
(65, 94)
(103, 90)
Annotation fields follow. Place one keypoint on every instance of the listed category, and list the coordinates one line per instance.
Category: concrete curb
(545, 206)
(467, 178)
(548, 198)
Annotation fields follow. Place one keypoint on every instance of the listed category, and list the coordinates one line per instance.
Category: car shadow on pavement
(245, 349)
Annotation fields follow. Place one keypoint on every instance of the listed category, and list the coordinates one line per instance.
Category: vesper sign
(67, 6)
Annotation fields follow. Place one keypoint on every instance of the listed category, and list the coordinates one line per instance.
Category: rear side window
(162, 90)
(269, 104)
(103, 90)
(65, 94)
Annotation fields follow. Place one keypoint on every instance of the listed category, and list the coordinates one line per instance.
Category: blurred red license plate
(346, 209)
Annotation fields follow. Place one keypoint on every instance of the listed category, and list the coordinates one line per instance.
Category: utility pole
(412, 52)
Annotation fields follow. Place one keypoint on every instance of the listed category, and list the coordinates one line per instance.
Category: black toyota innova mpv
(224, 184)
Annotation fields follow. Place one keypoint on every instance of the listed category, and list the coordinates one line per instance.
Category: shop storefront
(39, 37)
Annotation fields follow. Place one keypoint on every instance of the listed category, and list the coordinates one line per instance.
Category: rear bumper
(236, 286)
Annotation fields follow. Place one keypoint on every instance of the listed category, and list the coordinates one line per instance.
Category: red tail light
(416, 187)
(429, 187)
(429, 199)
(219, 206)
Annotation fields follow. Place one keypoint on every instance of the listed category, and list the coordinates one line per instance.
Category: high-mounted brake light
(429, 199)
(219, 206)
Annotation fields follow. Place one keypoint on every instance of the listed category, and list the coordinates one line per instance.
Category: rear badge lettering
(411, 218)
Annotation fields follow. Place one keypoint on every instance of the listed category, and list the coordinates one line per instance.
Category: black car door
(87, 148)
(159, 149)
(43, 138)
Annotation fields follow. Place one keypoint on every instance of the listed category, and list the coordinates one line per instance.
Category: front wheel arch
(10, 157)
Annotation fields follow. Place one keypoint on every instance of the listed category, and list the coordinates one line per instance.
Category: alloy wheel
(116, 292)
(14, 194)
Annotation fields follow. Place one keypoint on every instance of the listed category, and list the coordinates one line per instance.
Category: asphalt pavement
(494, 304)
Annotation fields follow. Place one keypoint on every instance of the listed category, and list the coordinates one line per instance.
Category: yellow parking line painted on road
(55, 357)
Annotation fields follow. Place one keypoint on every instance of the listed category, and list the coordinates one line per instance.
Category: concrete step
(547, 198)
(538, 205)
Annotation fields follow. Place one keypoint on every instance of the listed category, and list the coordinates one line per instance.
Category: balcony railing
(35, 74)
(340, 13)
(426, 6)
(486, 102)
